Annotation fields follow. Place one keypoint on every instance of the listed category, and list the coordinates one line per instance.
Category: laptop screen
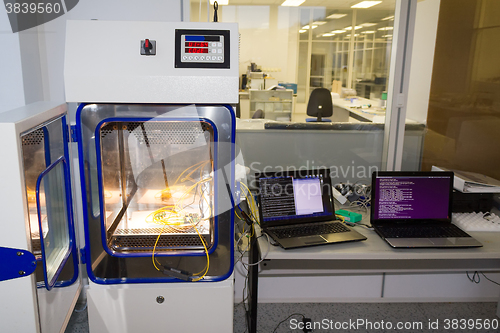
(411, 196)
(294, 196)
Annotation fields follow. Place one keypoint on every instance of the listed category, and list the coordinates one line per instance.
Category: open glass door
(45, 164)
(54, 220)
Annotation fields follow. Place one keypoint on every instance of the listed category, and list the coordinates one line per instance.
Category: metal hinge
(73, 133)
(83, 256)
(16, 263)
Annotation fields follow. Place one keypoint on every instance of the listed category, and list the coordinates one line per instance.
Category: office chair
(319, 105)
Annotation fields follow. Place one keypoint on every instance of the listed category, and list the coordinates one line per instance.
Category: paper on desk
(466, 181)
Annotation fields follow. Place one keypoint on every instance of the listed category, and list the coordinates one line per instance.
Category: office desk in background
(370, 256)
(365, 114)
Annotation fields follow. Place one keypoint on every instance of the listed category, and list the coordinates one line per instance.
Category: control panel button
(219, 44)
(219, 50)
(148, 47)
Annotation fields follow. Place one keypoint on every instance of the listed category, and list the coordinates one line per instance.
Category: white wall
(11, 78)
(422, 59)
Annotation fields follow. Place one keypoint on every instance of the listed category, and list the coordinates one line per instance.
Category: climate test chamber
(154, 130)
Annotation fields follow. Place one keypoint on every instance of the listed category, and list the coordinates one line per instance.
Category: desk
(362, 114)
(370, 256)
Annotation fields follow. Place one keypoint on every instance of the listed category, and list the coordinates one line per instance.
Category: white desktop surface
(374, 113)
(375, 248)
(368, 113)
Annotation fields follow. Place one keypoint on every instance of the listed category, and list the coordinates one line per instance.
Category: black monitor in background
(320, 104)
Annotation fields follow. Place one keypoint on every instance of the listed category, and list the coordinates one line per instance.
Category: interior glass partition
(463, 114)
(334, 46)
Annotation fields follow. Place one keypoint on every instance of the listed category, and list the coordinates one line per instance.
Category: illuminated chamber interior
(157, 189)
(33, 148)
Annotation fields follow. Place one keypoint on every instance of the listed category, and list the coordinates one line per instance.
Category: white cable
(265, 255)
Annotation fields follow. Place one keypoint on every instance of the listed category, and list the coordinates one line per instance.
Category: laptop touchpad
(313, 239)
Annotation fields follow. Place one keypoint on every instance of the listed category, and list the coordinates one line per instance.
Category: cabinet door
(54, 220)
(36, 206)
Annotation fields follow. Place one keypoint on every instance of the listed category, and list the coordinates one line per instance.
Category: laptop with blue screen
(296, 209)
(413, 210)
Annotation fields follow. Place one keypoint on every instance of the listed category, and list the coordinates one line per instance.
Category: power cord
(290, 316)
(476, 278)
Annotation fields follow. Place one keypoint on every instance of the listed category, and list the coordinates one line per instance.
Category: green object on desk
(349, 216)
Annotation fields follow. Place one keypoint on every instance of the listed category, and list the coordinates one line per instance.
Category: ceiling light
(220, 2)
(368, 32)
(336, 16)
(368, 24)
(328, 35)
(388, 18)
(349, 35)
(306, 27)
(338, 31)
(386, 28)
(366, 4)
(355, 28)
(301, 31)
(292, 3)
(319, 22)
(387, 36)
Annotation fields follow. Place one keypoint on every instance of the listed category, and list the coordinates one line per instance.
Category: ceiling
(329, 4)
(373, 14)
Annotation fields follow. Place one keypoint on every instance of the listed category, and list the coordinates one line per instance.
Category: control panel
(202, 48)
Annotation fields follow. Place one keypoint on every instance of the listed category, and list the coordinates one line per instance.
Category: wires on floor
(290, 316)
(476, 278)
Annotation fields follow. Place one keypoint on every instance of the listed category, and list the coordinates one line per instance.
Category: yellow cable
(177, 209)
(251, 203)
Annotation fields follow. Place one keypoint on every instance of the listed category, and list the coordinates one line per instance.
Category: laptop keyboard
(422, 232)
(309, 230)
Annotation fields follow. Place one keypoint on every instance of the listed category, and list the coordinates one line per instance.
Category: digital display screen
(196, 44)
(287, 197)
(193, 50)
(412, 197)
(199, 48)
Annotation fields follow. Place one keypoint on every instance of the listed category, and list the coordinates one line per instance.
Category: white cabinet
(275, 104)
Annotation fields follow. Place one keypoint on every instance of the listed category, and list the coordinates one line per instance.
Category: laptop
(296, 209)
(413, 210)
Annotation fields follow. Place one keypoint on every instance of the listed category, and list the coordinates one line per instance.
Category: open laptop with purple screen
(413, 209)
(296, 209)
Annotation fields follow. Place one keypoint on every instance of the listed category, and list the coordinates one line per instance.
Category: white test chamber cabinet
(155, 134)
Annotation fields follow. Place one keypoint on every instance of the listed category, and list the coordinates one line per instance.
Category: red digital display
(196, 44)
(193, 50)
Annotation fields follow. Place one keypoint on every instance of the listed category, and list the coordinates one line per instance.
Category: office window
(311, 46)
(351, 45)
(463, 116)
